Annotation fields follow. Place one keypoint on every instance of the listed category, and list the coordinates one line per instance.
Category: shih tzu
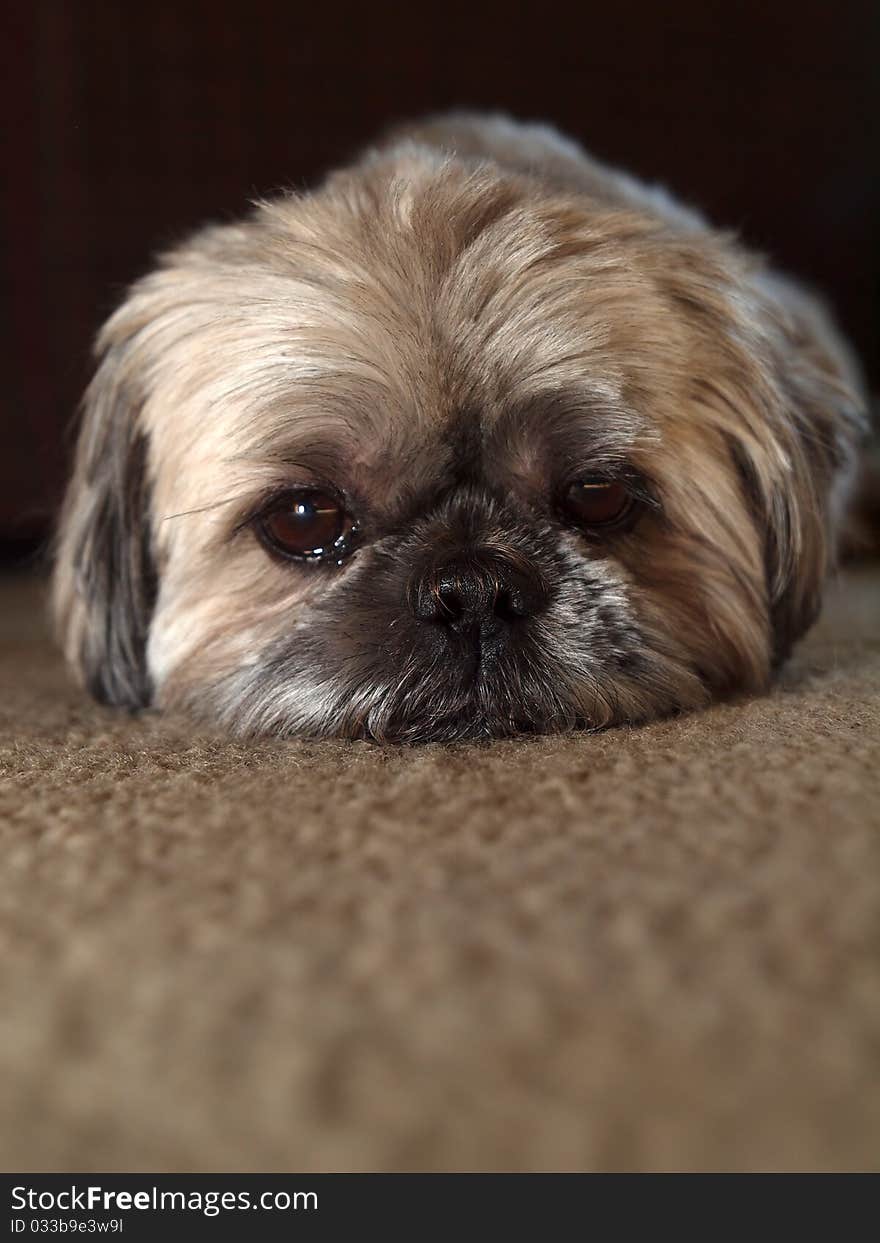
(479, 437)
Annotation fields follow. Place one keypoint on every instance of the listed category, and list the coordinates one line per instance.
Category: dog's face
(436, 453)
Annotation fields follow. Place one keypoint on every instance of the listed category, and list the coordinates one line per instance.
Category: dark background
(127, 123)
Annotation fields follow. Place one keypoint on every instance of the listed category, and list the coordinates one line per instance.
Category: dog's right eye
(306, 525)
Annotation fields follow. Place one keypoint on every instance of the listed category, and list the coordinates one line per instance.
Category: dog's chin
(480, 715)
(478, 719)
(462, 697)
(407, 720)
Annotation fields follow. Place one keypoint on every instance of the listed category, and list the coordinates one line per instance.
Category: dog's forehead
(395, 443)
(422, 349)
(395, 335)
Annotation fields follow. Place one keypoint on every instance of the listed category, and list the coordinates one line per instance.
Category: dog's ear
(104, 578)
(821, 423)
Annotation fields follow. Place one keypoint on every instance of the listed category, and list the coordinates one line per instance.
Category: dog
(478, 437)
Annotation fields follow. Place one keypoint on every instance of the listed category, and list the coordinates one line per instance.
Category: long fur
(445, 331)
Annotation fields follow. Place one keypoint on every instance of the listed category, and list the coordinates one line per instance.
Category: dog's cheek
(207, 636)
(241, 641)
(675, 614)
(607, 645)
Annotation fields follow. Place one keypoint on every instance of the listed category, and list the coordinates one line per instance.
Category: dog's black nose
(478, 597)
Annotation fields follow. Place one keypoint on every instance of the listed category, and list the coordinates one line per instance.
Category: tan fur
(471, 274)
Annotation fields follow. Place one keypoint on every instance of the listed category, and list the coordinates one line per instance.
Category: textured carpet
(654, 949)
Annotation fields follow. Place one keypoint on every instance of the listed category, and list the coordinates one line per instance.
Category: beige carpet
(652, 949)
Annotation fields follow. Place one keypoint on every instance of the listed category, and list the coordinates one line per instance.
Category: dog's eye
(306, 524)
(593, 504)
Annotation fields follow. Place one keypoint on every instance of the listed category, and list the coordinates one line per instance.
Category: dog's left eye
(597, 504)
(307, 524)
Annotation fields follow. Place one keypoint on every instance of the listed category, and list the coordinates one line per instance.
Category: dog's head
(436, 452)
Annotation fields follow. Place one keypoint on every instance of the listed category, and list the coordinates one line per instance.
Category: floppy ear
(104, 579)
(821, 424)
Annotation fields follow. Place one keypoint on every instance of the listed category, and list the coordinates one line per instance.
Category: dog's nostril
(511, 604)
(450, 601)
